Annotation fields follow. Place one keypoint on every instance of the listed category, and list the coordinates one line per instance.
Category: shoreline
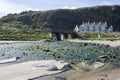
(31, 69)
(66, 75)
(110, 43)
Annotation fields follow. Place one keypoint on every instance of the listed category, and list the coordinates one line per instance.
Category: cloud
(7, 7)
(33, 9)
(17, 6)
(67, 7)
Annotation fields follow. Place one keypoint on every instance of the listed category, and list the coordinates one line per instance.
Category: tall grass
(33, 35)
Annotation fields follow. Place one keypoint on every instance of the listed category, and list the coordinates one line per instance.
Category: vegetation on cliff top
(63, 18)
(30, 25)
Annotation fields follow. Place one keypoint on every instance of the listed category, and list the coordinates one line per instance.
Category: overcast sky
(16, 6)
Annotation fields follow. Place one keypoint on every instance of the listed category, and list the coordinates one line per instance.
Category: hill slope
(63, 18)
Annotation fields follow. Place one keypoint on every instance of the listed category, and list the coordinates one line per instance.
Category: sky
(17, 6)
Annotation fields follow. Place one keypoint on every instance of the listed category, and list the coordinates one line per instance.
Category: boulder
(60, 78)
(54, 65)
(98, 65)
(8, 60)
(48, 67)
(63, 65)
(66, 67)
(52, 68)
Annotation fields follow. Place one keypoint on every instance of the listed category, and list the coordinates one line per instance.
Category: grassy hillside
(26, 36)
(30, 25)
(63, 18)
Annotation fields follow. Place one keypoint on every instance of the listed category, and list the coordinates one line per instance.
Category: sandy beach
(30, 69)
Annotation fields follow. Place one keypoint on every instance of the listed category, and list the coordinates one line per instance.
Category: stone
(60, 78)
(63, 65)
(98, 65)
(54, 65)
(8, 60)
(48, 67)
(103, 56)
(84, 63)
(52, 68)
(66, 67)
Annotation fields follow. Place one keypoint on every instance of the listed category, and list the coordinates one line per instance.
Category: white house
(93, 27)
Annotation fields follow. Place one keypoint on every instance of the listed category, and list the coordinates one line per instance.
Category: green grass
(33, 35)
(29, 34)
(104, 36)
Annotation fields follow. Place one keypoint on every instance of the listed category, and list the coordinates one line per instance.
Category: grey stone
(52, 68)
(60, 78)
(98, 65)
(66, 67)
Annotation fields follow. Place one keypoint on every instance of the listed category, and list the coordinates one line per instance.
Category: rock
(52, 68)
(60, 78)
(48, 67)
(103, 56)
(116, 63)
(63, 65)
(98, 65)
(66, 67)
(84, 63)
(8, 60)
(18, 57)
(54, 65)
(2, 54)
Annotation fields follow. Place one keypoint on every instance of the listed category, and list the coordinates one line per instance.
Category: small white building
(104, 27)
(76, 28)
(93, 27)
(110, 29)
